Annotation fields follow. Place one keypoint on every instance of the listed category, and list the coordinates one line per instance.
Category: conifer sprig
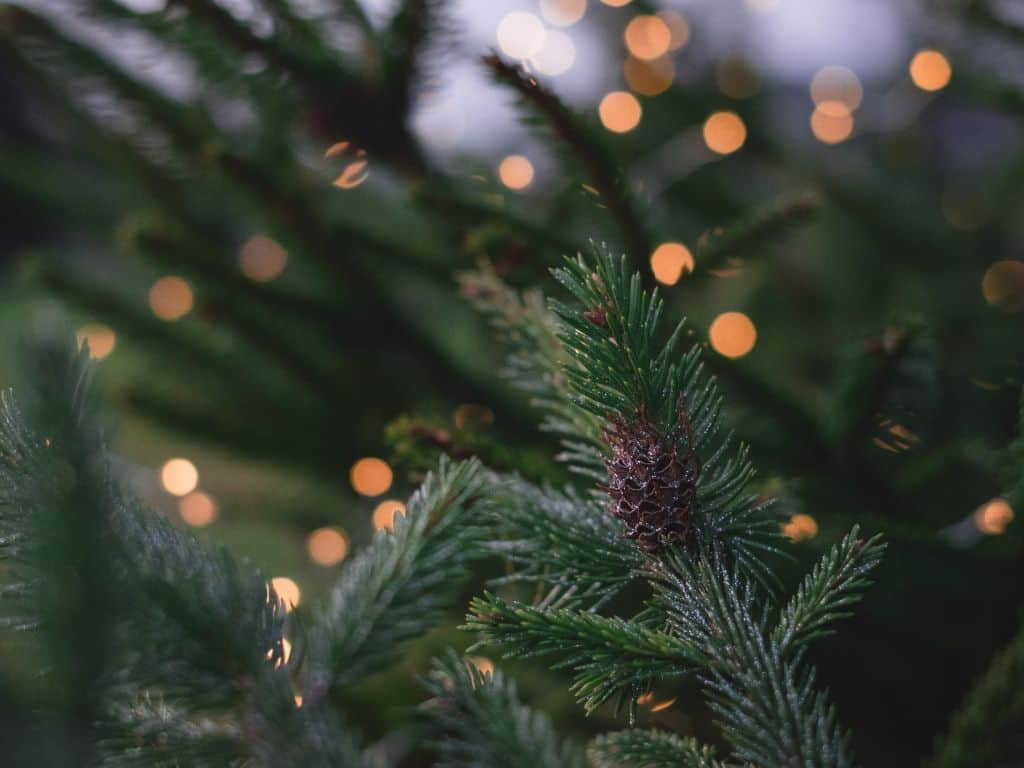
(482, 722)
(649, 749)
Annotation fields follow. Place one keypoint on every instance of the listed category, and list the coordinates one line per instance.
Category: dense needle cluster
(652, 480)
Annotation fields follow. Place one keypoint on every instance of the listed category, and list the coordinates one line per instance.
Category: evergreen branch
(484, 723)
(649, 749)
(766, 700)
(407, 35)
(834, 583)
(395, 588)
(570, 545)
(754, 228)
(600, 167)
(985, 731)
(609, 656)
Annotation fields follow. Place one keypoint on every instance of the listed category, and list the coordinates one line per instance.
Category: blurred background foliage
(256, 211)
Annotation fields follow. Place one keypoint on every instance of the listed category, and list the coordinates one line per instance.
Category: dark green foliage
(482, 722)
(649, 749)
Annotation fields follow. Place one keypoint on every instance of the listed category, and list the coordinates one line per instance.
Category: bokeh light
(288, 592)
(357, 166)
(992, 517)
(724, 132)
(679, 30)
(520, 35)
(556, 56)
(1003, 285)
(732, 334)
(836, 88)
(101, 339)
(384, 514)
(170, 298)
(484, 665)
(515, 172)
(930, 70)
(327, 546)
(262, 258)
(620, 112)
(647, 37)
(800, 528)
(370, 476)
(649, 77)
(669, 261)
(562, 13)
(197, 509)
(616, 3)
(179, 477)
(831, 122)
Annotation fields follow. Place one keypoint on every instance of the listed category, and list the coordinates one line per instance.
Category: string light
(679, 30)
(262, 259)
(733, 334)
(520, 35)
(992, 517)
(197, 509)
(800, 528)
(170, 298)
(557, 54)
(669, 261)
(515, 172)
(101, 339)
(647, 37)
(327, 546)
(484, 665)
(179, 477)
(562, 13)
(617, 3)
(649, 77)
(370, 476)
(836, 89)
(620, 112)
(930, 70)
(831, 122)
(288, 592)
(357, 168)
(384, 514)
(1003, 285)
(724, 132)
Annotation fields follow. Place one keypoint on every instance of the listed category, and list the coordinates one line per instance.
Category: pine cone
(652, 483)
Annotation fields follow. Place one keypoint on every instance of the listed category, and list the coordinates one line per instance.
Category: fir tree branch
(394, 589)
(484, 723)
(649, 749)
(833, 584)
(600, 168)
(985, 731)
(610, 657)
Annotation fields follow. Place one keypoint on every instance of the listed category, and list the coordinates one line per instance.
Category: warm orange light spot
(262, 259)
(370, 476)
(647, 37)
(649, 77)
(831, 122)
(724, 132)
(993, 517)
(930, 70)
(384, 514)
(800, 528)
(354, 174)
(515, 172)
(645, 698)
(620, 111)
(520, 34)
(469, 415)
(298, 701)
(839, 86)
(556, 56)
(101, 339)
(562, 13)
(663, 705)
(179, 477)
(1003, 285)
(197, 509)
(484, 665)
(678, 29)
(669, 261)
(733, 334)
(327, 546)
(170, 298)
(616, 3)
(286, 649)
(336, 149)
(289, 593)
(736, 78)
